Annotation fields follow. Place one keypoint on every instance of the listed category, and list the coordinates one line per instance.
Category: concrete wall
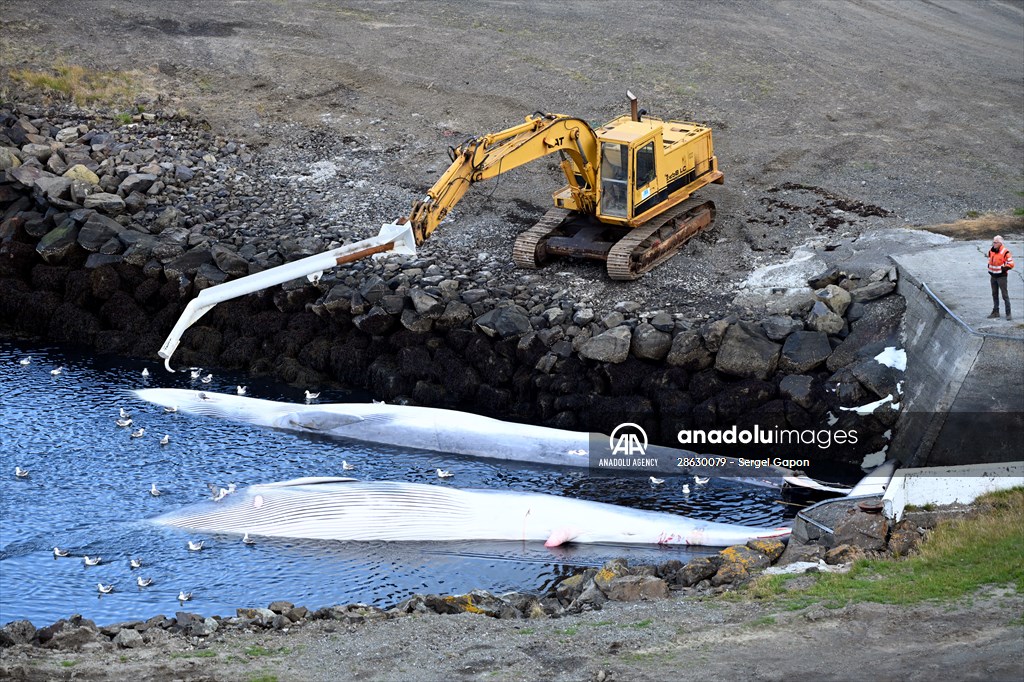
(964, 391)
(949, 485)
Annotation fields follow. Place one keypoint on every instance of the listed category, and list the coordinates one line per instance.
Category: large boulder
(136, 182)
(880, 324)
(688, 352)
(609, 346)
(799, 388)
(778, 327)
(650, 343)
(503, 322)
(835, 297)
(824, 319)
(804, 351)
(97, 231)
(747, 352)
(59, 242)
(106, 202)
(865, 531)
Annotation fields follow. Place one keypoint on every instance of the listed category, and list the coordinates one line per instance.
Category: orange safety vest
(997, 260)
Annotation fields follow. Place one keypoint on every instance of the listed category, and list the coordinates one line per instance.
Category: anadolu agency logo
(628, 440)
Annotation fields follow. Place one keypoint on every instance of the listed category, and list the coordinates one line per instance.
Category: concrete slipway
(964, 400)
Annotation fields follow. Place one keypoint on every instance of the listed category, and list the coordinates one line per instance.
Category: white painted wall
(948, 485)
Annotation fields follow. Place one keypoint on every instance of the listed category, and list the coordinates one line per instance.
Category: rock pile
(584, 591)
(107, 230)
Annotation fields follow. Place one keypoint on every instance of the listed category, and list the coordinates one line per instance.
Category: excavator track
(649, 245)
(528, 250)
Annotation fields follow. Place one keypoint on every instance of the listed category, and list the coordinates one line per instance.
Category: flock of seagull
(125, 421)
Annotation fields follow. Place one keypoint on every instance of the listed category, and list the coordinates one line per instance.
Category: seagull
(207, 379)
(143, 582)
(311, 396)
(657, 481)
(154, 491)
(686, 489)
(345, 466)
(104, 589)
(145, 372)
(577, 452)
(92, 562)
(139, 433)
(195, 546)
(172, 408)
(701, 481)
(57, 371)
(26, 361)
(202, 396)
(124, 414)
(196, 373)
(166, 439)
(184, 596)
(240, 389)
(442, 473)
(135, 563)
(58, 552)
(20, 473)
(220, 493)
(246, 540)
(124, 423)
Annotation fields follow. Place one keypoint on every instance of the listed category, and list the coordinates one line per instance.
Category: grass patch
(81, 85)
(257, 651)
(602, 623)
(959, 557)
(571, 630)
(198, 653)
(763, 621)
(1018, 211)
(526, 631)
(67, 664)
(263, 678)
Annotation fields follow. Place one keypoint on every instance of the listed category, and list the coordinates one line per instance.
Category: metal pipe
(393, 238)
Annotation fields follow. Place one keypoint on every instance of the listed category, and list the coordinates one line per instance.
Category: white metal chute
(392, 238)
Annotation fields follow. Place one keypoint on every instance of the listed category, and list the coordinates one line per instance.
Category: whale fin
(321, 421)
(560, 536)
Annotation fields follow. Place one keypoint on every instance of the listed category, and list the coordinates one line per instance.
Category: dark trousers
(999, 285)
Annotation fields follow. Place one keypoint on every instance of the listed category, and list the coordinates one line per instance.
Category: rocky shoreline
(107, 229)
(859, 534)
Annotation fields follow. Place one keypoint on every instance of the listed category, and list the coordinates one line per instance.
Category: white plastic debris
(893, 357)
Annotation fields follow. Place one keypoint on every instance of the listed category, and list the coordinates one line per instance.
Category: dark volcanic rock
(650, 343)
(804, 351)
(503, 323)
(610, 346)
(880, 323)
(747, 352)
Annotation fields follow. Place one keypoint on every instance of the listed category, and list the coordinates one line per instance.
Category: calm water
(88, 492)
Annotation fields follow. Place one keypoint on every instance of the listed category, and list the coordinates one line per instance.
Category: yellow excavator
(627, 200)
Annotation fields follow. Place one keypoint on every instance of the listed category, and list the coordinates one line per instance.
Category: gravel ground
(830, 119)
(674, 639)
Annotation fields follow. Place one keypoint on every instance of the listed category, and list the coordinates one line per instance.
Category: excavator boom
(485, 157)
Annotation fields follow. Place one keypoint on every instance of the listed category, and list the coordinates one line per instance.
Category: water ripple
(88, 493)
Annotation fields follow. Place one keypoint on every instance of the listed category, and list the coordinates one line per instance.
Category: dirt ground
(830, 119)
(675, 639)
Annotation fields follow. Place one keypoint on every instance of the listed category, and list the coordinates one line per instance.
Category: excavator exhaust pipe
(634, 112)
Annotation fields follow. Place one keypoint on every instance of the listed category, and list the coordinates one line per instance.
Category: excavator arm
(485, 157)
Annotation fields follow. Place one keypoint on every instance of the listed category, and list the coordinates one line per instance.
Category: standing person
(1000, 262)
